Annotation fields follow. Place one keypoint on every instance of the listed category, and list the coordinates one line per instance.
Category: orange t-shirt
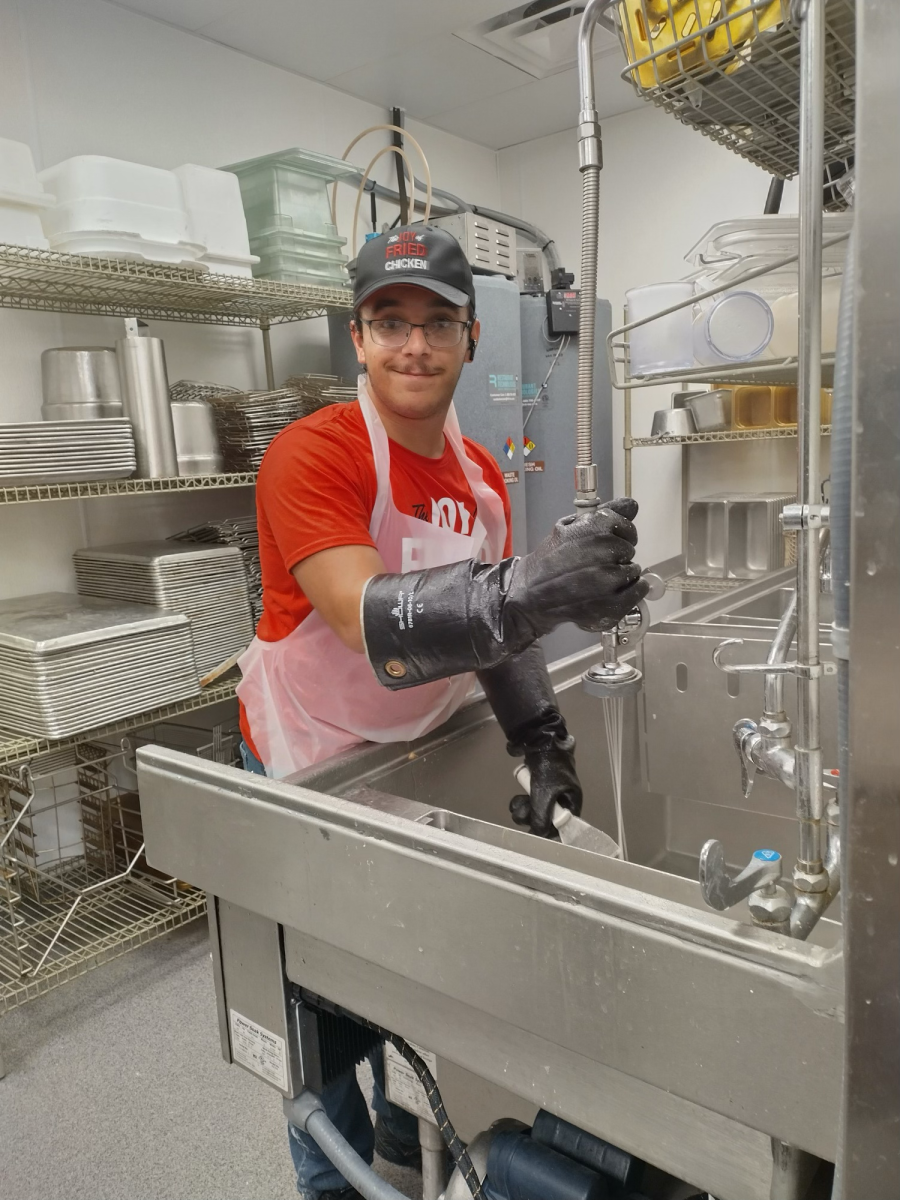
(316, 489)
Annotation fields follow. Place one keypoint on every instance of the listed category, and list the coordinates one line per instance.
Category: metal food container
(80, 383)
(711, 410)
(196, 439)
(735, 535)
(672, 422)
(707, 537)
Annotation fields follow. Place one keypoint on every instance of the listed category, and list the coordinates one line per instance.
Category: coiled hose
(590, 219)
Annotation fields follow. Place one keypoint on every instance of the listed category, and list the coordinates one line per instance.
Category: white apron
(307, 696)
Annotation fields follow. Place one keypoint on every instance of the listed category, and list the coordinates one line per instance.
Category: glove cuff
(427, 625)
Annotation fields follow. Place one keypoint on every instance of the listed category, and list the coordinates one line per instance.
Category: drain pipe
(306, 1112)
(590, 161)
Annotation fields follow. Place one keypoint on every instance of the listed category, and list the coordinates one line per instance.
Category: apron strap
(488, 503)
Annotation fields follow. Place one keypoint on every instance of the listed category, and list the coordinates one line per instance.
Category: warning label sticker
(259, 1050)
(534, 467)
(503, 388)
(510, 477)
(403, 1086)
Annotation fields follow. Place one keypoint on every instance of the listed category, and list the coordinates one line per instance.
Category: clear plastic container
(22, 197)
(290, 257)
(216, 218)
(289, 190)
(666, 344)
(768, 237)
(736, 327)
(108, 206)
(786, 314)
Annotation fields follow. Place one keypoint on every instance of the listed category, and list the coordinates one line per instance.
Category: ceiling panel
(186, 14)
(433, 76)
(538, 108)
(323, 40)
(402, 52)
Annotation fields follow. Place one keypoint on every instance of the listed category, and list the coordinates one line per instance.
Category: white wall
(662, 186)
(84, 76)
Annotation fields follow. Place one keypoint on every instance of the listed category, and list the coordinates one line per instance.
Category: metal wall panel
(870, 1144)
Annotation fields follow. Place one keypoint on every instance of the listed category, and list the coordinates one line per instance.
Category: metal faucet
(767, 748)
(609, 677)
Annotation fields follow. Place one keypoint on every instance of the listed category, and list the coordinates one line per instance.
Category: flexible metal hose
(590, 218)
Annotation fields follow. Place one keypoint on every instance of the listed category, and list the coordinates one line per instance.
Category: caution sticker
(528, 447)
(509, 448)
(403, 1086)
(259, 1050)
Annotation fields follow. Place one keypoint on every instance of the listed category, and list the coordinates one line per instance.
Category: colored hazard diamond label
(528, 447)
(509, 447)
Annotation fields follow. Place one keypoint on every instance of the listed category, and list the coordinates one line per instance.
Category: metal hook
(748, 668)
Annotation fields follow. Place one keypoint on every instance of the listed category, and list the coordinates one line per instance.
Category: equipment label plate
(259, 1050)
(403, 1086)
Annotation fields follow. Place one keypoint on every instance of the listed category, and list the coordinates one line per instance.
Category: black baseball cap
(420, 254)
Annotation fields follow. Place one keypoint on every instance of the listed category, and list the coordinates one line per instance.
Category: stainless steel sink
(390, 880)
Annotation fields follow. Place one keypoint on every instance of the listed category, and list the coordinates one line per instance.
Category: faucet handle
(743, 733)
(720, 891)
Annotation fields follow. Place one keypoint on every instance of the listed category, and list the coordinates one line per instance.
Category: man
(385, 545)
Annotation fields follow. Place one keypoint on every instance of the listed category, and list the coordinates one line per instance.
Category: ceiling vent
(540, 38)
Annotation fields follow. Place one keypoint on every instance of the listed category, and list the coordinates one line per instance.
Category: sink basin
(687, 710)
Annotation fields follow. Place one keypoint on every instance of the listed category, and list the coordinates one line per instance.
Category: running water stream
(614, 720)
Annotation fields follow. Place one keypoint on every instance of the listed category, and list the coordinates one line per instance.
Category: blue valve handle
(719, 890)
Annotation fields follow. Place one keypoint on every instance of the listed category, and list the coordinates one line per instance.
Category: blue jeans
(345, 1105)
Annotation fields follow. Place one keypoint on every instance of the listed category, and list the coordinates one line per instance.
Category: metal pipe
(306, 1112)
(267, 353)
(590, 162)
(778, 651)
(434, 1160)
(808, 907)
(809, 873)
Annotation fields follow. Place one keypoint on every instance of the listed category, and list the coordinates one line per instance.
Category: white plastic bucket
(665, 344)
(110, 206)
(216, 218)
(21, 197)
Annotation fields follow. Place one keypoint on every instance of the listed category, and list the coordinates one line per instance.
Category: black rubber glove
(522, 697)
(470, 616)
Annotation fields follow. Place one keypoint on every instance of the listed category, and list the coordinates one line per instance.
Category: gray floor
(116, 1090)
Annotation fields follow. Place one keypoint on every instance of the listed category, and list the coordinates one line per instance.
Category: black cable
(397, 115)
(457, 1150)
(773, 198)
(451, 1138)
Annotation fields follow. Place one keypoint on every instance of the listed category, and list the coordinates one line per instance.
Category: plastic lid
(739, 326)
(773, 236)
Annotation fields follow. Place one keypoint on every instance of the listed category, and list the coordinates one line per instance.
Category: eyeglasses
(393, 334)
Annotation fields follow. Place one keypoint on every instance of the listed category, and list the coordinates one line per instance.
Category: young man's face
(414, 380)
